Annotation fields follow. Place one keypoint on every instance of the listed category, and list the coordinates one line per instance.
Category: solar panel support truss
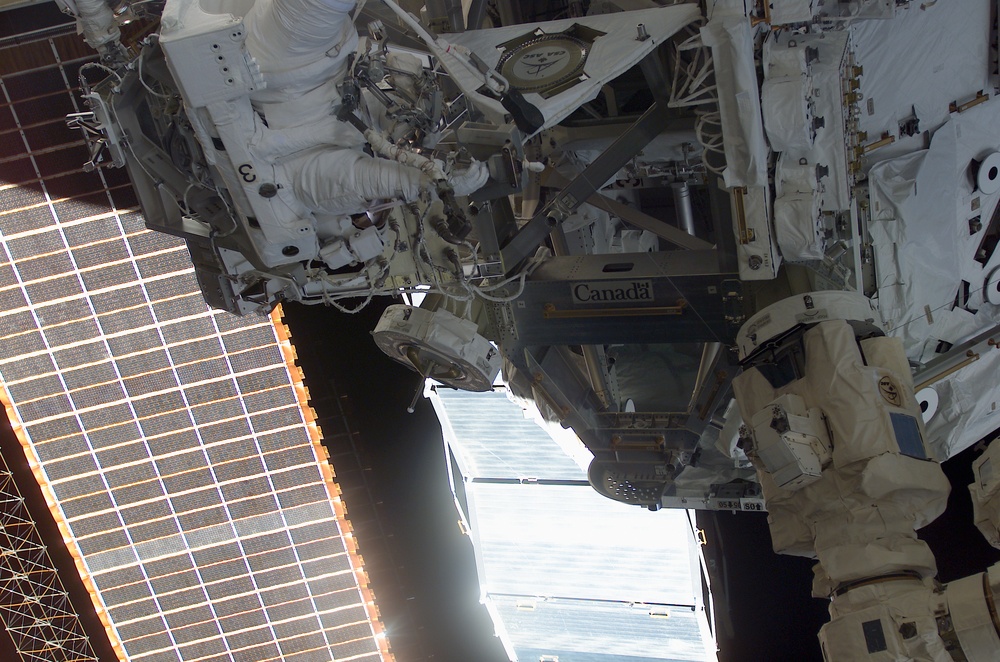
(35, 608)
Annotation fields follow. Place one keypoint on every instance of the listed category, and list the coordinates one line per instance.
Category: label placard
(603, 292)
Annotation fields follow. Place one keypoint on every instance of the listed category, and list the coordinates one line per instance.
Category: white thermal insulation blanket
(784, 12)
(794, 176)
(819, 137)
(838, 381)
(928, 56)
(784, 58)
(916, 244)
(787, 119)
(921, 205)
(797, 210)
(986, 495)
(797, 226)
(870, 492)
(731, 41)
(968, 406)
(610, 55)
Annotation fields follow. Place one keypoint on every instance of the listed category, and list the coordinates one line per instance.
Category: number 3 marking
(246, 171)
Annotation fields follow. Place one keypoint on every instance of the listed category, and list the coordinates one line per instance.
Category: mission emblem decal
(547, 63)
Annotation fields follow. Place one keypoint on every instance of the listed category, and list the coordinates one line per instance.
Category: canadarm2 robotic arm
(837, 439)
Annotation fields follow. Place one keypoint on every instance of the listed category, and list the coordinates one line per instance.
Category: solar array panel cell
(102, 252)
(140, 493)
(135, 610)
(104, 543)
(10, 145)
(17, 323)
(71, 332)
(19, 170)
(175, 308)
(142, 242)
(34, 389)
(29, 247)
(213, 650)
(44, 267)
(72, 310)
(77, 505)
(146, 362)
(203, 518)
(51, 289)
(28, 220)
(55, 105)
(12, 299)
(98, 396)
(8, 277)
(153, 382)
(195, 351)
(123, 320)
(90, 485)
(216, 411)
(68, 210)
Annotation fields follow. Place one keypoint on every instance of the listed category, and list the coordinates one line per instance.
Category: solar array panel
(174, 443)
(565, 572)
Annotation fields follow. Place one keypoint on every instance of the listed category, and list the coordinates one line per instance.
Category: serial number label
(737, 504)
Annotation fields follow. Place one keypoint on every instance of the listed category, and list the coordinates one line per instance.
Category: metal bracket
(584, 185)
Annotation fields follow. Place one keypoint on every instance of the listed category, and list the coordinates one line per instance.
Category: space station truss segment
(35, 608)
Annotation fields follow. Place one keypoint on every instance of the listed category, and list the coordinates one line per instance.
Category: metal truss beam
(35, 608)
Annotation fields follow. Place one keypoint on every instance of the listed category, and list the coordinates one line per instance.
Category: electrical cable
(96, 65)
(142, 56)
(713, 142)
